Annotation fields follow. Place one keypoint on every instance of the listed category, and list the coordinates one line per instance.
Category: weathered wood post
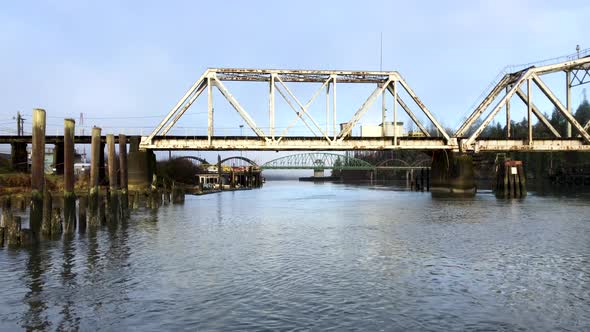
(6, 206)
(219, 172)
(123, 172)
(56, 222)
(93, 198)
(422, 179)
(13, 230)
(113, 180)
(69, 194)
(37, 171)
(82, 208)
(47, 208)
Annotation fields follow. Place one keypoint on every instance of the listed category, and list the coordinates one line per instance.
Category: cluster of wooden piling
(510, 179)
(54, 214)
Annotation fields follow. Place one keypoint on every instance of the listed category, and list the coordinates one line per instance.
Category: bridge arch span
(249, 161)
(199, 159)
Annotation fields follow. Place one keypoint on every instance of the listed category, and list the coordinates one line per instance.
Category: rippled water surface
(300, 256)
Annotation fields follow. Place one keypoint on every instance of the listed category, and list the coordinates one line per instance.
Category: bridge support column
(452, 174)
(140, 165)
(318, 173)
(18, 156)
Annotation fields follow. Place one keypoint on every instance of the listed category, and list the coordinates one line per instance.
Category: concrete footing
(452, 174)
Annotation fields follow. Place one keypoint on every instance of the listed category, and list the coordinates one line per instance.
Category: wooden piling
(26, 237)
(2, 237)
(13, 229)
(422, 179)
(47, 208)
(56, 222)
(123, 175)
(114, 205)
(37, 170)
(94, 195)
(522, 177)
(82, 213)
(69, 194)
(6, 206)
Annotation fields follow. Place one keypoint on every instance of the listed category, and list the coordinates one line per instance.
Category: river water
(304, 256)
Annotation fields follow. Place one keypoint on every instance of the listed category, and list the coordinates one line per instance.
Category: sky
(124, 64)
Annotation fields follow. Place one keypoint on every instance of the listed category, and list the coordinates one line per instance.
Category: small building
(208, 180)
(378, 130)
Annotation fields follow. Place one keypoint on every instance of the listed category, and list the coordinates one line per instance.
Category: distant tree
(582, 114)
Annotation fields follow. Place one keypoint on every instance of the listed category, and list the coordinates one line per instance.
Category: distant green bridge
(323, 161)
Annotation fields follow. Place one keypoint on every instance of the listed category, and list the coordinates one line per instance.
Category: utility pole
(81, 124)
(20, 124)
(241, 135)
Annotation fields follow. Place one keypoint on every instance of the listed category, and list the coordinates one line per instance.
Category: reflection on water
(304, 256)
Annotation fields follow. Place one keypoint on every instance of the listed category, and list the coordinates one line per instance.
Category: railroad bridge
(390, 84)
(329, 132)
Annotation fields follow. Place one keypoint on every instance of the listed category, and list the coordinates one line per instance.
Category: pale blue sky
(136, 58)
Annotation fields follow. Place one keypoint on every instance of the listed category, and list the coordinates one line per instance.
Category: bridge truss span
(328, 136)
(520, 83)
(335, 134)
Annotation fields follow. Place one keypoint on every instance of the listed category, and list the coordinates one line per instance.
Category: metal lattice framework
(247, 160)
(321, 138)
(576, 70)
(318, 161)
(512, 84)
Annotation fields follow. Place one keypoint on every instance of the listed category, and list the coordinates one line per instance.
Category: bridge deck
(202, 143)
(293, 143)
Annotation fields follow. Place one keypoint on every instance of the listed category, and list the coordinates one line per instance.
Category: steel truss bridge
(318, 161)
(467, 138)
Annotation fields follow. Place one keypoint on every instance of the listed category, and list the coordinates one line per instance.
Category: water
(301, 256)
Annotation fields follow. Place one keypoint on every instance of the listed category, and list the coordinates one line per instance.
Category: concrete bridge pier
(318, 173)
(18, 156)
(140, 165)
(452, 174)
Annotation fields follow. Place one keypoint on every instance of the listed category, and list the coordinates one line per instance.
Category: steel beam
(568, 101)
(508, 115)
(537, 113)
(271, 106)
(361, 111)
(523, 75)
(299, 116)
(529, 86)
(479, 110)
(425, 110)
(306, 106)
(196, 95)
(295, 144)
(177, 106)
(239, 109)
(408, 111)
(569, 117)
